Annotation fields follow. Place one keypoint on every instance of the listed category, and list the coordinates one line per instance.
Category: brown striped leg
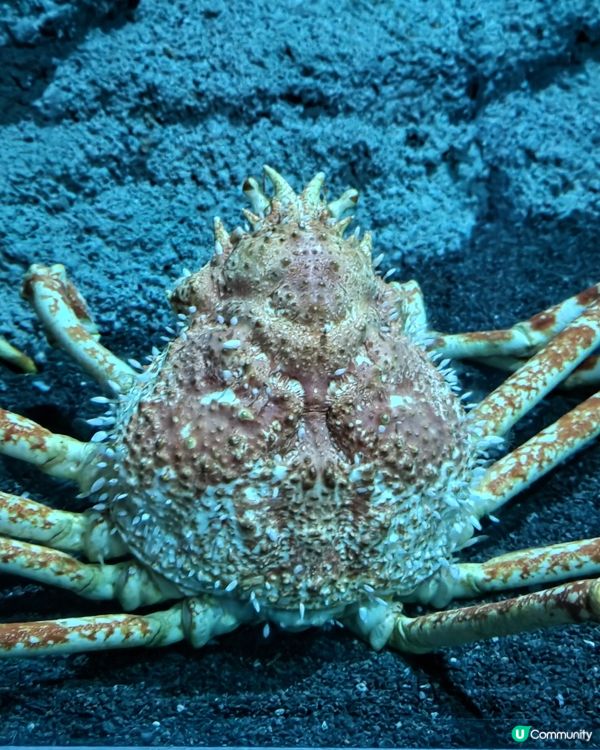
(88, 533)
(128, 581)
(196, 620)
(586, 375)
(499, 411)
(58, 455)
(15, 357)
(81, 634)
(514, 472)
(528, 567)
(575, 602)
(68, 324)
(520, 341)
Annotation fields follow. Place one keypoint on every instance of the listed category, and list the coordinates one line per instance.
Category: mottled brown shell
(294, 444)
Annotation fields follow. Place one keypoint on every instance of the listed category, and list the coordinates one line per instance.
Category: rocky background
(472, 130)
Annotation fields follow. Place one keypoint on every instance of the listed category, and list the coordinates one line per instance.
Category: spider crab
(298, 454)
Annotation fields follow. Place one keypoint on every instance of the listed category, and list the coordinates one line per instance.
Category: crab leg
(197, 620)
(60, 529)
(15, 357)
(88, 532)
(58, 455)
(76, 634)
(587, 374)
(521, 340)
(578, 601)
(68, 324)
(528, 567)
(499, 411)
(517, 470)
(127, 581)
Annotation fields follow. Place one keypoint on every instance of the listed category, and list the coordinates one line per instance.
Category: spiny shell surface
(294, 444)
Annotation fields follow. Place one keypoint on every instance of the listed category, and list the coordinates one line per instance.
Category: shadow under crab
(298, 454)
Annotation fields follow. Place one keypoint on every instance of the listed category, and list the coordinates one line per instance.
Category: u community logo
(521, 732)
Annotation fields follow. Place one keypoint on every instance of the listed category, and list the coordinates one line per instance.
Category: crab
(299, 453)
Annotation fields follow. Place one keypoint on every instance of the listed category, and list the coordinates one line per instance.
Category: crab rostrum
(298, 453)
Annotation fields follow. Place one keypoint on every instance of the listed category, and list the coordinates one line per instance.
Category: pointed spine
(346, 201)
(253, 219)
(343, 224)
(311, 195)
(284, 193)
